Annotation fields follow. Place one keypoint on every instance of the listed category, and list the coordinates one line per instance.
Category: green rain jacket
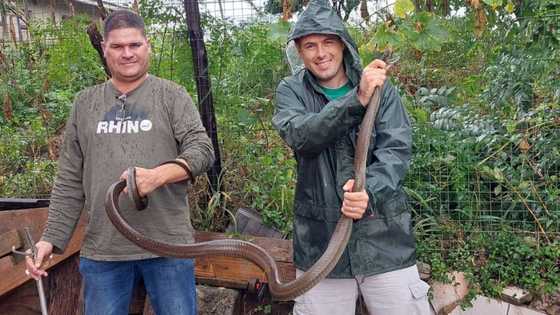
(323, 136)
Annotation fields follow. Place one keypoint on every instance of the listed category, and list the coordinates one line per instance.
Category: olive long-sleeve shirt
(158, 122)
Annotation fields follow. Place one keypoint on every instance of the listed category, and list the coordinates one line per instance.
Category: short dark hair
(297, 40)
(123, 19)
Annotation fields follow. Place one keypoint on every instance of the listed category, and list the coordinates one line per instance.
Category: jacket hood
(320, 18)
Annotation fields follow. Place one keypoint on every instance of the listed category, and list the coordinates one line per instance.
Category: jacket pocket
(317, 212)
(392, 207)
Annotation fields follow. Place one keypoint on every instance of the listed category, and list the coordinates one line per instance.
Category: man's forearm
(60, 227)
(171, 173)
(310, 133)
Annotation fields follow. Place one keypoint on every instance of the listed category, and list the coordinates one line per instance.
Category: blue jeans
(169, 282)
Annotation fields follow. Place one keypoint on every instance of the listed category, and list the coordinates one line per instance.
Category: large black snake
(238, 248)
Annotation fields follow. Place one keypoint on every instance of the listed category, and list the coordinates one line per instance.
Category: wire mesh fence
(15, 14)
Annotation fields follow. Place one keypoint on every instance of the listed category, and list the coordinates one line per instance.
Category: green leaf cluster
(493, 260)
(38, 80)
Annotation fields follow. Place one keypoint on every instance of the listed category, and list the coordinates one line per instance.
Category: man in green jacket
(318, 112)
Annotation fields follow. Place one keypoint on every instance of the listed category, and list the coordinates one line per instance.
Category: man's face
(322, 55)
(127, 52)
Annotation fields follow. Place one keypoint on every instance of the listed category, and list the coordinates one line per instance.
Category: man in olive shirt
(133, 119)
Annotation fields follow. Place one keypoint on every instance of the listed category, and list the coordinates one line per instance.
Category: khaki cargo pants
(399, 292)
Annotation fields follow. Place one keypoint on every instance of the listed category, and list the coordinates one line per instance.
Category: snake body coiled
(238, 248)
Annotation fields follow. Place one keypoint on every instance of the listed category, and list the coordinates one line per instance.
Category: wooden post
(18, 23)
(12, 29)
(95, 39)
(52, 9)
(286, 9)
(429, 6)
(5, 31)
(71, 9)
(101, 8)
(27, 20)
(445, 8)
(203, 87)
(417, 5)
(27, 12)
(364, 13)
(135, 7)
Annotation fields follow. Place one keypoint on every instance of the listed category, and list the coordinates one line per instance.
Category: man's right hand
(33, 268)
(354, 204)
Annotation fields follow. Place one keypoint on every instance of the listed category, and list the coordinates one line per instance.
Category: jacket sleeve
(392, 151)
(67, 196)
(194, 144)
(390, 159)
(309, 133)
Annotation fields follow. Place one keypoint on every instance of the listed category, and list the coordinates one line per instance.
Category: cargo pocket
(419, 289)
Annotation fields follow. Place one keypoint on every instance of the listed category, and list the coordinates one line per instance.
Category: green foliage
(511, 84)
(260, 169)
(275, 6)
(473, 168)
(343, 7)
(403, 7)
(246, 59)
(493, 3)
(246, 63)
(422, 32)
(24, 170)
(36, 181)
(538, 23)
(72, 62)
(487, 159)
(171, 56)
(494, 260)
(38, 82)
(434, 98)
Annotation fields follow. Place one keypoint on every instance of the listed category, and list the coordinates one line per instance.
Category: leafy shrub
(494, 260)
(38, 81)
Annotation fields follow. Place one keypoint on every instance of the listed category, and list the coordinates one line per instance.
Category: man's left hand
(354, 204)
(373, 75)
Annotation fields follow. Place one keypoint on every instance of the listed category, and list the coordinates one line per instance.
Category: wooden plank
(233, 272)
(35, 219)
(227, 269)
(8, 240)
(215, 270)
(279, 249)
(7, 262)
(62, 289)
(23, 301)
(22, 203)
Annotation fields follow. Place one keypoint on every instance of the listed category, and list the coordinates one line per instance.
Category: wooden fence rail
(18, 295)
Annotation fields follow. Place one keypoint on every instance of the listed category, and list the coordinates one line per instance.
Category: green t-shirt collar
(333, 94)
